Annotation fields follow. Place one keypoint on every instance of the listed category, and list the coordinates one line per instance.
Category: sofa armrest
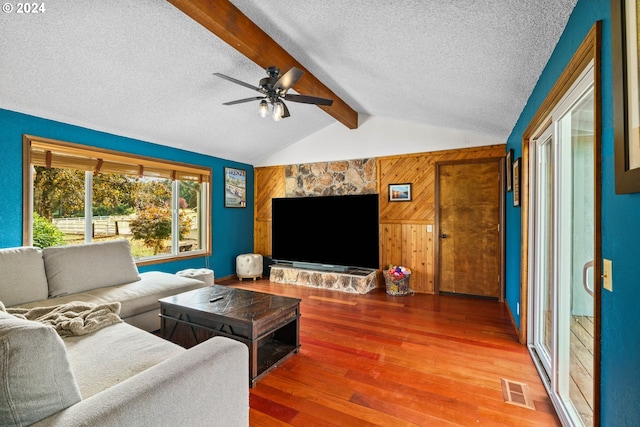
(207, 385)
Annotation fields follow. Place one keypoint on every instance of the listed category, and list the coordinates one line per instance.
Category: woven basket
(397, 287)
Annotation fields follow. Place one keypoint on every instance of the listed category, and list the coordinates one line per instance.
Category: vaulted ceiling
(144, 69)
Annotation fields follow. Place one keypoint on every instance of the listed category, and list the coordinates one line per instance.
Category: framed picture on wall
(235, 188)
(399, 192)
(626, 95)
(516, 182)
(509, 166)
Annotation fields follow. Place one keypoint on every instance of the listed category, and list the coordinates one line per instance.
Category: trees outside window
(160, 208)
(139, 209)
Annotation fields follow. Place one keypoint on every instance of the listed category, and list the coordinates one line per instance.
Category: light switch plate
(607, 275)
(429, 228)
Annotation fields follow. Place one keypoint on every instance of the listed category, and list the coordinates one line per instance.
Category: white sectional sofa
(96, 272)
(119, 375)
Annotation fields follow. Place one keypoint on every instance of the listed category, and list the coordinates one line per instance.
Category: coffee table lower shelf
(271, 354)
(265, 352)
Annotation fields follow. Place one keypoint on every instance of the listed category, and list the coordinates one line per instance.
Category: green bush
(46, 234)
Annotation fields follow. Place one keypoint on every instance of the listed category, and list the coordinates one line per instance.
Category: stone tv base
(353, 280)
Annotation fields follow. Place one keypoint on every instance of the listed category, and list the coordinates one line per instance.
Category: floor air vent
(517, 393)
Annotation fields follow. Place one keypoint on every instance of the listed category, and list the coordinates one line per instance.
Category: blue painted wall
(232, 229)
(620, 364)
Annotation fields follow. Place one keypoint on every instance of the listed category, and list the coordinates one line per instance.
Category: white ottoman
(203, 274)
(249, 266)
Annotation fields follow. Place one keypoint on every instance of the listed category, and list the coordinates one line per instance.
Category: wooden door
(469, 217)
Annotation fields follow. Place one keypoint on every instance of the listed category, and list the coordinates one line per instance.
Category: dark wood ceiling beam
(227, 22)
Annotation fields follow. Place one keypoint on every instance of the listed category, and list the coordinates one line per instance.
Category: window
(77, 194)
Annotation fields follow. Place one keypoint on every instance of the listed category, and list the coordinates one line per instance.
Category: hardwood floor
(378, 360)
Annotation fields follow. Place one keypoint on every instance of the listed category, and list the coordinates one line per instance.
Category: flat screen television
(327, 232)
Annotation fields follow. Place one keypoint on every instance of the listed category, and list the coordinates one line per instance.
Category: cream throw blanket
(73, 318)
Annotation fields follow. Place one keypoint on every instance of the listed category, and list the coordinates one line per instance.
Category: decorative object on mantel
(516, 182)
(396, 279)
(235, 188)
(400, 192)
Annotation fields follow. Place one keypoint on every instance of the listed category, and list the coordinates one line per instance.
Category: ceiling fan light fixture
(277, 111)
(274, 91)
(263, 108)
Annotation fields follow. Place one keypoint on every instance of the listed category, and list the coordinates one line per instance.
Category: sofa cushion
(113, 354)
(23, 276)
(134, 298)
(35, 376)
(143, 295)
(78, 268)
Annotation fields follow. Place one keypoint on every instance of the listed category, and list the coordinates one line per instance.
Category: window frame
(149, 166)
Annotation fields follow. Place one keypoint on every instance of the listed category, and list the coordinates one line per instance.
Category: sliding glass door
(542, 332)
(560, 338)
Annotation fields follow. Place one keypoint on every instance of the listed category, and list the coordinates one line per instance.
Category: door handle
(585, 277)
(444, 236)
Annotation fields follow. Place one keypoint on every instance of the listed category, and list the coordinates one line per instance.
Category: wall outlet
(607, 275)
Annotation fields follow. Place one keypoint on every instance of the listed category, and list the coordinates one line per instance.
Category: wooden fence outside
(101, 225)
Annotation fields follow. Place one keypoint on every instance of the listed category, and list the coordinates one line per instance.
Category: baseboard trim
(514, 324)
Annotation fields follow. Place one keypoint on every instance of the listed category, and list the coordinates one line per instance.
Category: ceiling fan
(274, 89)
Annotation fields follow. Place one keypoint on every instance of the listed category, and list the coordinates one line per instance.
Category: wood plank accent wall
(404, 239)
(269, 182)
(410, 245)
(404, 235)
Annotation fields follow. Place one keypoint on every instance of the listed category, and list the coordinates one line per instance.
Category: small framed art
(516, 182)
(509, 168)
(625, 41)
(235, 188)
(399, 192)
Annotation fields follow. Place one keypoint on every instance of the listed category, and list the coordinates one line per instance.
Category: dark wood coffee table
(267, 324)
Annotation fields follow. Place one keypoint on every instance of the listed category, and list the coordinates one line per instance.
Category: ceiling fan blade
(240, 101)
(285, 110)
(236, 81)
(308, 99)
(289, 78)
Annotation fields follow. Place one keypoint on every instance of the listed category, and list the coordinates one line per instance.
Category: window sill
(172, 257)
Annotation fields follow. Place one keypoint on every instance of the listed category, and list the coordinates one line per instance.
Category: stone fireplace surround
(334, 178)
(357, 280)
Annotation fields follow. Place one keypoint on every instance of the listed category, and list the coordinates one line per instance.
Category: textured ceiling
(143, 69)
